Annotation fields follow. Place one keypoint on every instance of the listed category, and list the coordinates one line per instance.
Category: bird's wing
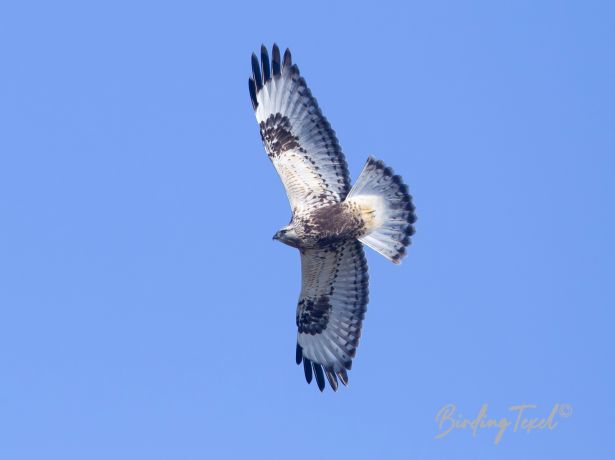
(297, 137)
(332, 304)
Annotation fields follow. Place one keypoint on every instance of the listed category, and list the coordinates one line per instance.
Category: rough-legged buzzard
(330, 220)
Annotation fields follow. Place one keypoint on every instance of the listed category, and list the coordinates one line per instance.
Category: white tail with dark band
(387, 210)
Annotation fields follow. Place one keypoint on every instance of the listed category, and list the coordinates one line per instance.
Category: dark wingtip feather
(288, 59)
(331, 378)
(265, 64)
(299, 354)
(307, 368)
(294, 69)
(256, 72)
(343, 376)
(252, 87)
(320, 377)
(275, 62)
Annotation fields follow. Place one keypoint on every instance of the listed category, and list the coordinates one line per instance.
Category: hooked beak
(287, 236)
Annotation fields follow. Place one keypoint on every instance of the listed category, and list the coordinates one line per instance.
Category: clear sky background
(145, 311)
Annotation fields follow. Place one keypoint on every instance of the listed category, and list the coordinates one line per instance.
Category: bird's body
(330, 220)
(326, 226)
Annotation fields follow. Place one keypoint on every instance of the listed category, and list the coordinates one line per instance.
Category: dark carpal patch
(313, 315)
(277, 137)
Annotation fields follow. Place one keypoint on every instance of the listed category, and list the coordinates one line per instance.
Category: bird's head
(287, 235)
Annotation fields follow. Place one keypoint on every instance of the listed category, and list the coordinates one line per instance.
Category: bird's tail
(386, 208)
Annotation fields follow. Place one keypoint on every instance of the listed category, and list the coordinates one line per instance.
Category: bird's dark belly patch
(276, 135)
(313, 315)
(330, 225)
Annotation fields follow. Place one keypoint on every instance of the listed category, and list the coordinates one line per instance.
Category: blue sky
(145, 310)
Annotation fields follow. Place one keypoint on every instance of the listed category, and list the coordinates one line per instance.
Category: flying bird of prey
(330, 220)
